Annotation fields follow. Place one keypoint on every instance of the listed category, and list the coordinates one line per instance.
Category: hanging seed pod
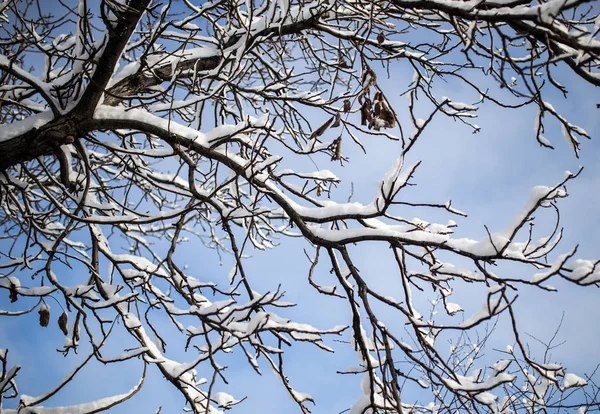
(337, 149)
(347, 106)
(387, 116)
(369, 78)
(373, 123)
(377, 109)
(321, 129)
(14, 295)
(363, 115)
(76, 329)
(342, 62)
(62, 323)
(365, 112)
(44, 315)
(337, 121)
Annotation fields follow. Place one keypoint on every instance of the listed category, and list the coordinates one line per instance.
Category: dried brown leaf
(337, 149)
(377, 109)
(336, 123)
(387, 116)
(365, 113)
(44, 316)
(369, 78)
(63, 320)
(347, 106)
(322, 128)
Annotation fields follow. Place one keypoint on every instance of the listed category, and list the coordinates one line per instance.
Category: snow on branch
(141, 139)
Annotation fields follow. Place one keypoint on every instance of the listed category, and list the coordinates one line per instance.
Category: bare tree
(131, 126)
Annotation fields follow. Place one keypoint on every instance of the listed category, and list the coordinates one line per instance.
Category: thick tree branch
(118, 37)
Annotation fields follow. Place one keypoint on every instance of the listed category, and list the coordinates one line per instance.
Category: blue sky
(488, 175)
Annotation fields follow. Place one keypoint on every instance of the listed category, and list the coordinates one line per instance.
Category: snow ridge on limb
(85, 408)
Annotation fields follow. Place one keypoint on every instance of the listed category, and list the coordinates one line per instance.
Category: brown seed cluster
(374, 113)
